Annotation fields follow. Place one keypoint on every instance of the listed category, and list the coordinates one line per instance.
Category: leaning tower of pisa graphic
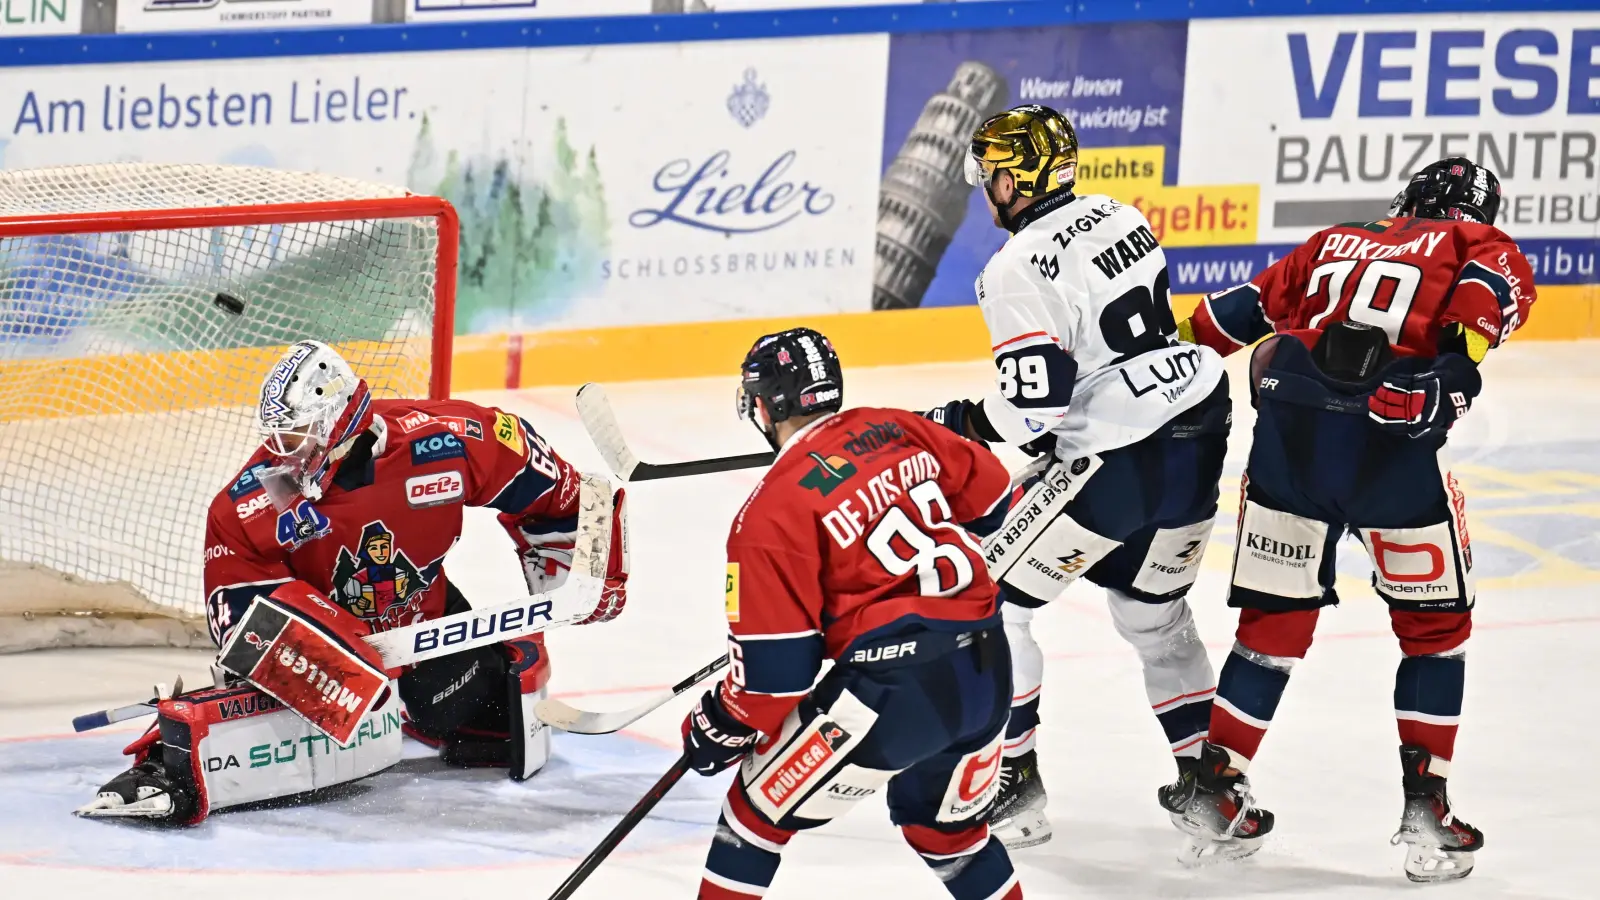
(923, 197)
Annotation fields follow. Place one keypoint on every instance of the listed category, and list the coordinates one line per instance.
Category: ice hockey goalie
(337, 528)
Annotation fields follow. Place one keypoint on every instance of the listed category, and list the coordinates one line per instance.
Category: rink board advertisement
(201, 15)
(1343, 109)
(661, 183)
(28, 18)
(1122, 84)
(711, 189)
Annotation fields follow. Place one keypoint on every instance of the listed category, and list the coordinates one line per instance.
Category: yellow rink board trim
(147, 382)
(901, 337)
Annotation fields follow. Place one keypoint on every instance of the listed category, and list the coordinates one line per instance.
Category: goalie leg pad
(230, 746)
(477, 706)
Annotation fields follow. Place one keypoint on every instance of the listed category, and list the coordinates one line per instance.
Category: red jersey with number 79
(1411, 277)
(854, 531)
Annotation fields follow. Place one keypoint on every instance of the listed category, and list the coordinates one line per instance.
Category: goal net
(140, 307)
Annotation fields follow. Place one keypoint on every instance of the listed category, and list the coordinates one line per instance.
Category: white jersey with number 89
(1080, 319)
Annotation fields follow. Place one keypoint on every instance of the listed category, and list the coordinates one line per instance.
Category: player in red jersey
(1379, 328)
(851, 549)
(339, 524)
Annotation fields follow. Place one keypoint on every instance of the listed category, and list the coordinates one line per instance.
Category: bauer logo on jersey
(248, 482)
(508, 431)
(435, 490)
(730, 593)
(828, 473)
(377, 582)
(435, 447)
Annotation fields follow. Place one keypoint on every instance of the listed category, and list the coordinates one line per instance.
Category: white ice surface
(1527, 454)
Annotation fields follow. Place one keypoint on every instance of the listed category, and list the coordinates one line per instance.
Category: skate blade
(1201, 851)
(1430, 866)
(156, 807)
(1027, 829)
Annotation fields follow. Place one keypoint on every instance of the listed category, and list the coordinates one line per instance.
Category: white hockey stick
(104, 717)
(577, 721)
(594, 408)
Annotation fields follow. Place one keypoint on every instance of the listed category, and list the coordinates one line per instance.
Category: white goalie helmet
(312, 405)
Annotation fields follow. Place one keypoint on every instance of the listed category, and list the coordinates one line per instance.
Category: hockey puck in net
(228, 303)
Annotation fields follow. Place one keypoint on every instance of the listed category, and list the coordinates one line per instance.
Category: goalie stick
(568, 718)
(594, 408)
(91, 721)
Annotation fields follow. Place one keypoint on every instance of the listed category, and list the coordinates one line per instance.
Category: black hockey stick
(578, 721)
(622, 830)
(594, 408)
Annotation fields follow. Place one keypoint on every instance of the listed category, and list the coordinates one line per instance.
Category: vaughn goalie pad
(237, 745)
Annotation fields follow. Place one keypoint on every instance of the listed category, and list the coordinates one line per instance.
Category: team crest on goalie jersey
(377, 582)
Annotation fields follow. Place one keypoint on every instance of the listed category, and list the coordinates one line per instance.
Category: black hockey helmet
(795, 373)
(1453, 188)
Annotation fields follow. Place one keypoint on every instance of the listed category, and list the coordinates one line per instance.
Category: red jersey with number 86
(1411, 277)
(854, 530)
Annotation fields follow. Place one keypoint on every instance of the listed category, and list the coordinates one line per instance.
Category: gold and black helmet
(1034, 143)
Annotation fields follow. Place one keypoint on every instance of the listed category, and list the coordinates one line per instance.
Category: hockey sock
(1027, 673)
(971, 864)
(744, 854)
(1023, 726)
(1253, 680)
(1186, 719)
(1427, 704)
(1430, 680)
(1177, 670)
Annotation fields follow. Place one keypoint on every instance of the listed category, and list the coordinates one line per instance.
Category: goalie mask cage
(140, 307)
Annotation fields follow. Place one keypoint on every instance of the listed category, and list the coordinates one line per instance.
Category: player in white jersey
(1133, 422)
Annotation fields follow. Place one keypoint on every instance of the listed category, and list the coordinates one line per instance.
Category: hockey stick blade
(91, 721)
(623, 828)
(578, 721)
(600, 420)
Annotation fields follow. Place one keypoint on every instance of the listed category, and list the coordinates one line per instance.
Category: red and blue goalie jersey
(375, 543)
(853, 532)
(1414, 278)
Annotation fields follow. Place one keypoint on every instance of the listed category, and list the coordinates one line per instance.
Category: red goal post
(140, 305)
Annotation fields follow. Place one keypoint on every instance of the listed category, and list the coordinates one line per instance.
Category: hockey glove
(1425, 404)
(712, 738)
(545, 547)
(952, 415)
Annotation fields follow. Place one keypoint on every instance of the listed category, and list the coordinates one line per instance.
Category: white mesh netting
(129, 361)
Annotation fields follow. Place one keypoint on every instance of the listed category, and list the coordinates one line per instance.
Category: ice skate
(1215, 810)
(1439, 846)
(1018, 819)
